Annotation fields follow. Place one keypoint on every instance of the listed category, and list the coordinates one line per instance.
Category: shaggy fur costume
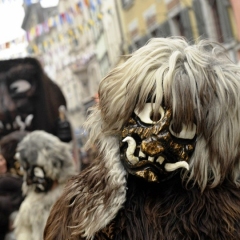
(200, 85)
(30, 100)
(10, 182)
(41, 151)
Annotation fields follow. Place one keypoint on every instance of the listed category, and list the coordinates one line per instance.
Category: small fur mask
(45, 160)
(47, 165)
(196, 88)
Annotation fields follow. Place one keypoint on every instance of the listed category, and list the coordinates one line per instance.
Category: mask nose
(151, 147)
(29, 180)
(29, 177)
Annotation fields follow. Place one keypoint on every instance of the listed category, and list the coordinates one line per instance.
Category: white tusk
(141, 154)
(41, 187)
(151, 159)
(130, 150)
(38, 172)
(29, 119)
(160, 159)
(169, 167)
(20, 123)
(17, 156)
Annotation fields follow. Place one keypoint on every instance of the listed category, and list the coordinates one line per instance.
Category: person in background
(10, 183)
(47, 164)
(3, 164)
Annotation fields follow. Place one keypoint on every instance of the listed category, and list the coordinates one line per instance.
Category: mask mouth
(36, 177)
(156, 168)
(137, 158)
(149, 171)
(19, 123)
(158, 162)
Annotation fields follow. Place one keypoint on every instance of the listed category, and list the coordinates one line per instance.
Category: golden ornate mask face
(152, 149)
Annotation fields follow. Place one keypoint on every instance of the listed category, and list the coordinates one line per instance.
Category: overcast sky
(11, 17)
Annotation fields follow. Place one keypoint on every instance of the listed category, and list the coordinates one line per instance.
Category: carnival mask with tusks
(152, 149)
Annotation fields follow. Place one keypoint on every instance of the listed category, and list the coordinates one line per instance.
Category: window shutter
(185, 21)
(163, 30)
(197, 7)
(224, 20)
(166, 32)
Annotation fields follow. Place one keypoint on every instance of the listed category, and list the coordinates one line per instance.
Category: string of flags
(57, 22)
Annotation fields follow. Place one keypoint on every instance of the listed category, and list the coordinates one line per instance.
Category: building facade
(77, 46)
(79, 41)
(217, 20)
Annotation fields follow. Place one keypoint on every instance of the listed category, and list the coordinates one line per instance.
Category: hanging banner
(67, 17)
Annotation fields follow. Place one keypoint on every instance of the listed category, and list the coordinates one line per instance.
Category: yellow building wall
(136, 12)
(193, 24)
(140, 6)
(233, 23)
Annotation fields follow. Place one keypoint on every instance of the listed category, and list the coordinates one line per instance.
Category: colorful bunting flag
(80, 27)
(45, 27)
(78, 7)
(63, 17)
(72, 11)
(70, 32)
(28, 2)
(57, 21)
(86, 2)
(99, 16)
(92, 5)
(69, 18)
(90, 22)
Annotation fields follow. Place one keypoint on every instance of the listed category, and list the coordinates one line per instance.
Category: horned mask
(45, 161)
(170, 107)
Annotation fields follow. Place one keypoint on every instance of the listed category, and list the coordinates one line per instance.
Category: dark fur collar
(171, 212)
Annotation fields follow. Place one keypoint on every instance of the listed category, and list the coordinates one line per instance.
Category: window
(127, 4)
(216, 19)
(178, 24)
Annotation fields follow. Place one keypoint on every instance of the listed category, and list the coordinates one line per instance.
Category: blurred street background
(79, 41)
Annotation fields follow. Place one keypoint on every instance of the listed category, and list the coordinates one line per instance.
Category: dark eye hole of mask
(155, 116)
(176, 128)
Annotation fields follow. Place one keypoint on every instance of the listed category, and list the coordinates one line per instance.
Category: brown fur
(72, 197)
(152, 212)
(164, 211)
(170, 211)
